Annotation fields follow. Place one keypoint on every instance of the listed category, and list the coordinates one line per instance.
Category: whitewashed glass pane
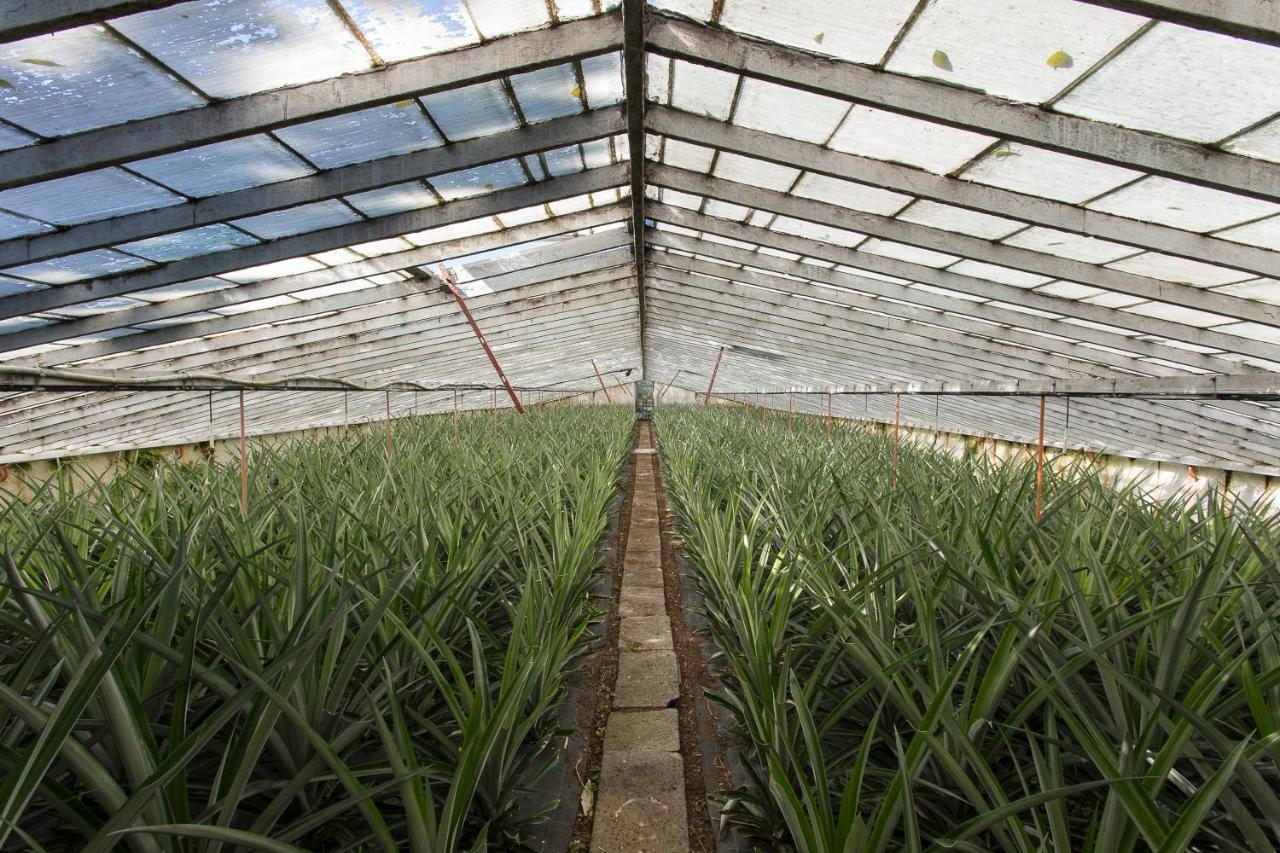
(1025, 50)
(364, 135)
(18, 226)
(1261, 142)
(478, 181)
(11, 137)
(961, 220)
(702, 90)
(698, 9)
(854, 30)
(498, 17)
(292, 266)
(913, 254)
(657, 78)
(1182, 205)
(848, 194)
(80, 79)
(10, 286)
(1064, 244)
(182, 289)
(603, 78)
(393, 199)
(788, 112)
(724, 210)
(1037, 171)
(472, 111)
(597, 153)
(822, 233)
(758, 173)
(1181, 82)
(188, 244)
(684, 155)
(95, 264)
(296, 220)
(902, 139)
(564, 161)
(224, 166)
(234, 47)
(1169, 268)
(1003, 275)
(547, 93)
(1265, 233)
(86, 197)
(400, 30)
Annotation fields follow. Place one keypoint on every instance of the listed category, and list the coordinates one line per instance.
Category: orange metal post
(897, 430)
(447, 278)
(600, 379)
(244, 461)
(1040, 465)
(668, 385)
(388, 424)
(706, 400)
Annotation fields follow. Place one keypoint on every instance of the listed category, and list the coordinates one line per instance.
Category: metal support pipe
(668, 385)
(244, 461)
(1040, 465)
(388, 393)
(447, 278)
(706, 400)
(600, 379)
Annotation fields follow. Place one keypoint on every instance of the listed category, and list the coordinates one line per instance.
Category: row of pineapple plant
(914, 663)
(368, 657)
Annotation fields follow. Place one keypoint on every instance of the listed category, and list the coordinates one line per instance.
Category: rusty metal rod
(447, 278)
(706, 400)
(666, 387)
(600, 379)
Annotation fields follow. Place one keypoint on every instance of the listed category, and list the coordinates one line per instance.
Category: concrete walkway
(640, 806)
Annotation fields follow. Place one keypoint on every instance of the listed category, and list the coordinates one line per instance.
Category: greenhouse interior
(639, 426)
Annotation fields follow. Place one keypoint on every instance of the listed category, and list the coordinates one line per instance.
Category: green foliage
(369, 658)
(927, 668)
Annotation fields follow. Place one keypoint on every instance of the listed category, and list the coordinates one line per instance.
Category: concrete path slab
(645, 633)
(641, 601)
(641, 807)
(650, 731)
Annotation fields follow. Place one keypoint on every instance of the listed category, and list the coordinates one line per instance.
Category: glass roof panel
(181, 320)
(497, 17)
(355, 137)
(444, 233)
(18, 226)
(80, 79)
(399, 30)
(758, 173)
(1264, 233)
(183, 288)
(224, 166)
(1177, 314)
(1261, 142)
(950, 218)
(570, 205)
(724, 210)
(1025, 50)
(564, 161)
(1064, 244)
(813, 231)
(394, 199)
(296, 220)
(683, 155)
(523, 216)
(784, 111)
(480, 180)
(1003, 275)
(11, 137)
(1253, 331)
(86, 197)
(902, 139)
(902, 252)
(1182, 82)
(603, 78)
(95, 264)
(699, 9)
(1181, 270)
(190, 243)
(702, 90)
(597, 153)
(1037, 171)
(234, 47)
(254, 305)
(1262, 289)
(547, 93)
(10, 286)
(657, 78)
(854, 30)
(98, 306)
(851, 195)
(472, 111)
(1182, 205)
(292, 266)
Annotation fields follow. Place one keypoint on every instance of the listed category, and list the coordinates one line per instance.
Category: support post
(457, 427)
(1040, 465)
(346, 413)
(828, 416)
(244, 461)
(897, 434)
(790, 409)
(447, 278)
(495, 411)
(706, 400)
(388, 393)
(668, 385)
(600, 379)
(210, 420)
